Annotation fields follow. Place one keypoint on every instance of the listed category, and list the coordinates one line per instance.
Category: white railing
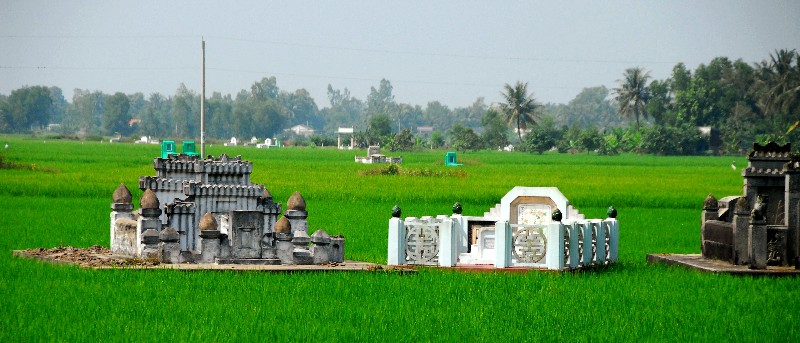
(555, 246)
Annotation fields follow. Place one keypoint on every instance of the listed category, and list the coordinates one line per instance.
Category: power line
(351, 49)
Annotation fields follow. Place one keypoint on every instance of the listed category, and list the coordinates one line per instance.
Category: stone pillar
(209, 239)
(296, 213)
(337, 249)
(170, 246)
(148, 219)
(792, 210)
(502, 244)
(302, 254)
(613, 232)
(447, 243)
(757, 240)
(555, 246)
(461, 235)
(741, 229)
(710, 212)
(321, 247)
(150, 248)
(121, 208)
(397, 238)
(283, 244)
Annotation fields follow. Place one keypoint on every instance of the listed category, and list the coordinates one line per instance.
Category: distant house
(425, 130)
(301, 130)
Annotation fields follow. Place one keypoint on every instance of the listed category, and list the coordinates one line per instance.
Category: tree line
(735, 104)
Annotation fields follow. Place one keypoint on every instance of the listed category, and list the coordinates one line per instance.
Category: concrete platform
(698, 262)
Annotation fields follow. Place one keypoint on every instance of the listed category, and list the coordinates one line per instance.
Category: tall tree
(116, 116)
(381, 101)
(632, 95)
(495, 130)
(519, 107)
(28, 107)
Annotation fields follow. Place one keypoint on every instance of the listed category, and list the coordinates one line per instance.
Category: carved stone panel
(246, 234)
(529, 244)
(422, 243)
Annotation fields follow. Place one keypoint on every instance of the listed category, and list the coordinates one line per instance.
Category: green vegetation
(658, 198)
(733, 102)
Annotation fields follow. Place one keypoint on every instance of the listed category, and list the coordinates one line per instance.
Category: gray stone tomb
(207, 211)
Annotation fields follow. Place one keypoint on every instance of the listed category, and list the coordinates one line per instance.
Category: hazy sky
(451, 51)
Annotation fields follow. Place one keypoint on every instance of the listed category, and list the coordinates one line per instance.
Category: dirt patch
(92, 257)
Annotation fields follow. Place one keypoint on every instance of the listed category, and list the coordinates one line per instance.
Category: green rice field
(59, 194)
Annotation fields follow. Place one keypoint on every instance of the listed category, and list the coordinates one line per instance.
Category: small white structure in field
(526, 229)
(374, 156)
(233, 142)
(269, 143)
(345, 131)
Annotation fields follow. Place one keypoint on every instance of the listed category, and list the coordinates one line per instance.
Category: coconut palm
(632, 95)
(520, 107)
(783, 80)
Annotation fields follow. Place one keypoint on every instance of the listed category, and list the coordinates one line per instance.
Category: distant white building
(301, 130)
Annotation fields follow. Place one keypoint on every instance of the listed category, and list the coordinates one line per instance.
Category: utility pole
(203, 105)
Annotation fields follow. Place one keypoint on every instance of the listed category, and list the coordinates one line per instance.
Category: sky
(452, 51)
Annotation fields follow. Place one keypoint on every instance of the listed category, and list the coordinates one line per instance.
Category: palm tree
(783, 80)
(632, 95)
(520, 107)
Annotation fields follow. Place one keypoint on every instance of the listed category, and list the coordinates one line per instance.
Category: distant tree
(590, 139)
(403, 141)
(495, 131)
(632, 95)
(519, 107)
(464, 139)
(381, 125)
(116, 115)
(437, 139)
(381, 101)
(543, 137)
(28, 107)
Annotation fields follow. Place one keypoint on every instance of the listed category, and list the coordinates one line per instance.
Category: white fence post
(502, 244)
(447, 242)
(600, 256)
(555, 246)
(587, 258)
(613, 244)
(574, 243)
(397, 242)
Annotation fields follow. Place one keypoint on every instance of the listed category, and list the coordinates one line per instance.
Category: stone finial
(396, 211)
(149, 200)
(208, 222)
(612, 212)
(710, 203)
(169, 235)
(266, 195)
(741, 206)
(296, 202)
(457, 209)
(283, 225)
(122, 195)
(557, 215)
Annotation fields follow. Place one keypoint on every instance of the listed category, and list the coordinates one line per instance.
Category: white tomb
(520, 231)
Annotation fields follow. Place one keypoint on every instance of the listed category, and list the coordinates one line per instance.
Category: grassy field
(61, 192)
